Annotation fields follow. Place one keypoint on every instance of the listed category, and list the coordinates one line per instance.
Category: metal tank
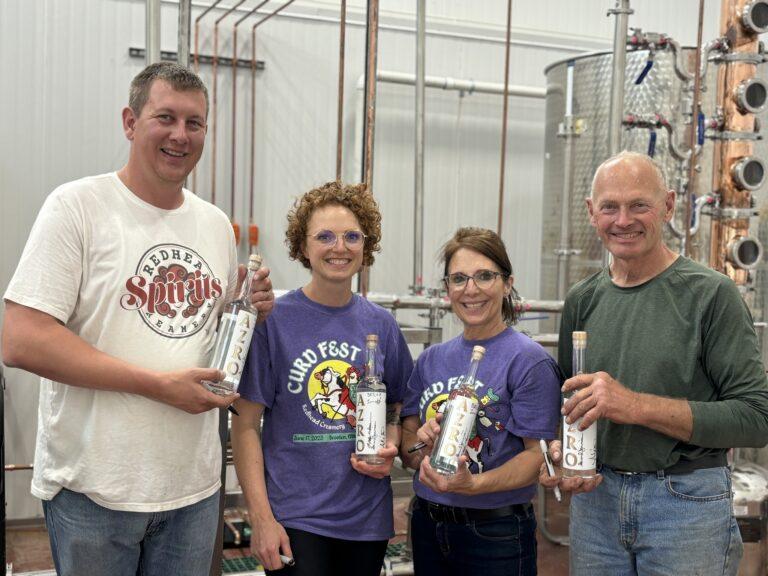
(576, 142)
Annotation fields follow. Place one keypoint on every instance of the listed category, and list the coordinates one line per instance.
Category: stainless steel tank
(581, 144)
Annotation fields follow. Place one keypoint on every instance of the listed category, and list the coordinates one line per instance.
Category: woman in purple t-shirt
(309, 499)
(480, 521)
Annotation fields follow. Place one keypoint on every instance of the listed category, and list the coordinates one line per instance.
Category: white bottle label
(237, 351)
(371, 426)
(579, 447)
(457, 426)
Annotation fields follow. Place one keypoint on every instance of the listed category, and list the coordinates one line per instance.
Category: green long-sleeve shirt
(686, 333)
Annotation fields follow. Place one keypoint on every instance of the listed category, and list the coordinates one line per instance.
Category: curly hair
(490, 245)
(355, 198)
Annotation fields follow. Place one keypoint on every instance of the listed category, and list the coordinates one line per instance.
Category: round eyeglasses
(483, 279)
(352, 238)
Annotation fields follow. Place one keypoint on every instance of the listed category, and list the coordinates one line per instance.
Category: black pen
(415, 447)
(232, 409)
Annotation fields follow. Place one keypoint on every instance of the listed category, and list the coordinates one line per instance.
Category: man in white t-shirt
(114, 304)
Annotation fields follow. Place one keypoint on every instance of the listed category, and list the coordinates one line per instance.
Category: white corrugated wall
(65, 69)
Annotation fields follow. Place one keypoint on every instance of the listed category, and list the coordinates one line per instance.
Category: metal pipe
(595, 45)
(340, 104)
(461, 85)
(420, 302)
(153, 31)
(371, 62)
(564, 250)
(234, 118)
(371, 54)
(196, 60)
(621, 12)
(418, 188)
(185, 25)
(446, 83)
(693, 136)
(215, 94)
(253, 115)
(503, 162)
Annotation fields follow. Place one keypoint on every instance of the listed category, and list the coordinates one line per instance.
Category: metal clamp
(747, 57)
(570, 127)
(731, 135)
(734, 213)
(566, 252)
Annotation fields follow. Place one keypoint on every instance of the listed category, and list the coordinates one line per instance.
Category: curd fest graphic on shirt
(173, 290)
(325, 377)
(491, 416)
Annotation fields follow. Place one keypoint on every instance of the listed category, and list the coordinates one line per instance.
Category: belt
(459, 515)
(683, 466)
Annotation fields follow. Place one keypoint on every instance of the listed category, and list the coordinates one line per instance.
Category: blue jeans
(656, 524)
(90, 540)
(488, 548)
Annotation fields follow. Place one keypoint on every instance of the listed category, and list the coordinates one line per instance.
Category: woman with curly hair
(309, 498)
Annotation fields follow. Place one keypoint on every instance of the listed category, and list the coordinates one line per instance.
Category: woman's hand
(462, 482)
(377, 471)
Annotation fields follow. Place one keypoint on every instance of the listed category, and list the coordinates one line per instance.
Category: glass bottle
(233, 338)
(371, 408)
(579, 446)
(458, 420)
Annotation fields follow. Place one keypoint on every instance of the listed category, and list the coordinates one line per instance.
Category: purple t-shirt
(518, 385)
(303, 366)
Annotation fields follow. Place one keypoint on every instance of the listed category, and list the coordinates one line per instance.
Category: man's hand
(268, 541)
(574, 485)
(462, 482)
(262, 297)
(377, 471)
(598, 395)
(183, 389)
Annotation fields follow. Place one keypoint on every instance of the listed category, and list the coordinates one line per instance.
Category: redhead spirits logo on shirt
(174, 290)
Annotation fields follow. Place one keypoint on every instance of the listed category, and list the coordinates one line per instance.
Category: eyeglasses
(483, 279)
(352, 238)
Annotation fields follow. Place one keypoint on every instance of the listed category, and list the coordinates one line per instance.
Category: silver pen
(550, 468)
(287, 560)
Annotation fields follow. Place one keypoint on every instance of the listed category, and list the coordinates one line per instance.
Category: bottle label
(579, 447)
(456, 427)
(242, 327)
(371, 426)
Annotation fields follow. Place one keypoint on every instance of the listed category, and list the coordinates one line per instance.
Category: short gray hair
(179, 78)
(661, 181)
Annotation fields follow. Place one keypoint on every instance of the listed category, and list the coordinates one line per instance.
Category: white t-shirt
(145, 285)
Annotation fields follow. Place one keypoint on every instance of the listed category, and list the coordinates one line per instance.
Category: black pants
(323, 556)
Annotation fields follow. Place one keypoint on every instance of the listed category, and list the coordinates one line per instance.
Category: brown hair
(180, 78)
(490, 245)
(355, 198)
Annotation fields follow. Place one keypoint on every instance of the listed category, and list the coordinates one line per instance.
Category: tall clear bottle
(234, 336)
(371, 408)
(458, 420)
(579, 447)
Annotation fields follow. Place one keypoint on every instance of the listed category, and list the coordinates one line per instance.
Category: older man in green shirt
(674, 378)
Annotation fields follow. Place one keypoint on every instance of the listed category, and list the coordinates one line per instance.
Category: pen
(232, 409)
(550, 468)
(417, 446)
(287, 560)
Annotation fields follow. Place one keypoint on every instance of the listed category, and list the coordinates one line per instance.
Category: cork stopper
(478, 352)
(372, 340)
(579, 340)
(254, 262)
